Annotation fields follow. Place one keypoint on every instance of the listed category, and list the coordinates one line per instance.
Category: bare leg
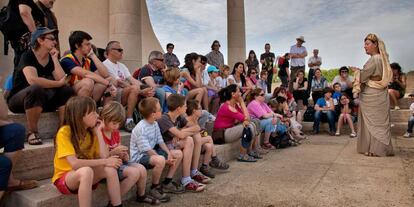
(208, 152)
(205, 101)
(158, 162)
(142, 181)
(187, 146)
(131, 176)
(81, 179)
(350, 123)
(84, 87)
(33, 115)
(178, 156)
(61, 114)
(112, 183)
(130, 98)
(197, 150)
(340, 123)
(97, 92)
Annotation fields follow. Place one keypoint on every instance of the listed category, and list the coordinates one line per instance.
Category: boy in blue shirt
(325, 107)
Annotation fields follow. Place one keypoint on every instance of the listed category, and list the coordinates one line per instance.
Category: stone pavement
(323, 171)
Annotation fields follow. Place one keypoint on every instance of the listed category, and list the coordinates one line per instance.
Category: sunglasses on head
(118, 49)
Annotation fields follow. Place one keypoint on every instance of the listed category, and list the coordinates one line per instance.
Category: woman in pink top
(258, 109)
(232, 118)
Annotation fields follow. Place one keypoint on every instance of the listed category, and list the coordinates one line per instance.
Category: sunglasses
(51, 38)
(344, 71)
(159, 59)
(262, 94)
(118, 49)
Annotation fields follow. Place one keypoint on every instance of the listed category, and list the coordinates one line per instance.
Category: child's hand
(170, 160)
(113, 161)
(125, 156)
(99, 126)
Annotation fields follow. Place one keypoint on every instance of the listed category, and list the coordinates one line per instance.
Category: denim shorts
(145, 160)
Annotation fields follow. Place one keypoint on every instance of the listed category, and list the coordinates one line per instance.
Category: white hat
(301, 38)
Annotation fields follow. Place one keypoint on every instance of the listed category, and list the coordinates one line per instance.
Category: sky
(336, 27)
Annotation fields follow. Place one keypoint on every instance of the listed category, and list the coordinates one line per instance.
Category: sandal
(268, 146)
(23, 185)
(246, 158)
(148, 199)
(34, 139)
(255, 155)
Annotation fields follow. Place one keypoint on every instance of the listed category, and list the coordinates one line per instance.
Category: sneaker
(158, 193)
(314, 132)
(332, 133)
(396, 108)
(129, 126)
(194, 187)
(407, 135)
(337, 134)
(173, 187)
(353, 135)
(206, 172)
(218, 164)
(201, 178)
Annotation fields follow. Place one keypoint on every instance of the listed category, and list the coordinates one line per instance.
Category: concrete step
(404, 103)
(397, 129)
(36, 162)
(48, 196)
(401, 115)
(48, 123)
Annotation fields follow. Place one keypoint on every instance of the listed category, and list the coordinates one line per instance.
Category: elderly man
(128, 87)
(170, 59)
(215, 57)
(314, 63)
(297, 59)
(152, 75)
(39, 82)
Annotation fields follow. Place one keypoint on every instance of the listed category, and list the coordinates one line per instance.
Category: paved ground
(323, 171)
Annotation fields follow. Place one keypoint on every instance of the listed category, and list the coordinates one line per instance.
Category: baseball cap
(39, 32)
(246, 138)
(212, 68)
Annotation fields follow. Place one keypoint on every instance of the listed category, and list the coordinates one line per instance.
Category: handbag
(218, 136)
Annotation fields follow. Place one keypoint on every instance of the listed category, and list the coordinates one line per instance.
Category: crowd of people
(166, 109)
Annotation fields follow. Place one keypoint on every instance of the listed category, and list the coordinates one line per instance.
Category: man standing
(297, 56)
(215, 57)
(128, 87)
(267, 60)
(50, 19)
(170, 59)
(314, 63)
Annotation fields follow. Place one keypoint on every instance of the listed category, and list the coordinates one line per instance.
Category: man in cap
(297, 59)
(39, 82)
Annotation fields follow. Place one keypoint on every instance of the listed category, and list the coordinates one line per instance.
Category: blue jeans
(267, 126)
(5, 170)
(410, 124)
(160, 95)
(12, 137)
(331, 120)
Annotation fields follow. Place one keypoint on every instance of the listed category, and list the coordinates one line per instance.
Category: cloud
(336, 27)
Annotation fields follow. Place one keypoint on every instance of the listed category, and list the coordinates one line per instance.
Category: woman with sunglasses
(345, 80)
(258, 109)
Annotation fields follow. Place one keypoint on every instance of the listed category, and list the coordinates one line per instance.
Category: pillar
(236, 34)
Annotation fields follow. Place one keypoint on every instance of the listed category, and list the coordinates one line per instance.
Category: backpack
(280, 141)
(11, 25)
(309, 114)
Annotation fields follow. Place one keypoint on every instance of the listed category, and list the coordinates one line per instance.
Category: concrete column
(236, 34)
(125, 27)
(129, 23)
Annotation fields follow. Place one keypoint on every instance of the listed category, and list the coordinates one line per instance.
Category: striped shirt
(144, 137)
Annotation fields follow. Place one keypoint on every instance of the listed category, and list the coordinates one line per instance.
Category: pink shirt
(226, 118)
(257, 109)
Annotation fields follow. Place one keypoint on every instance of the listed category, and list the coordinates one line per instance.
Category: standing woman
(252, 62)
(374, 129)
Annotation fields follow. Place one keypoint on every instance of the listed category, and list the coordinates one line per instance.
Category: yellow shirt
(65, 148)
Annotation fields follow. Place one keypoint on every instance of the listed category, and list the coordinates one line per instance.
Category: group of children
(89, 148)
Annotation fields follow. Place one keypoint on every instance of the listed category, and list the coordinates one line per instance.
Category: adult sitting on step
(128, 87)
(88, 75)
(397, 86)
(12, 140)
(39, 83)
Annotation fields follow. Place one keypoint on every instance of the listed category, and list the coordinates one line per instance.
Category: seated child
(223, 78)
(345, 115)
(113, 115)
(147, 147)
(262, 83)
(205, 142)
(337, 93)
(79, 162)
(178, 137)
(409, 132)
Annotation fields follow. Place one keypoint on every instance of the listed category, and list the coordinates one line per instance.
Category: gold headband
(372, 37)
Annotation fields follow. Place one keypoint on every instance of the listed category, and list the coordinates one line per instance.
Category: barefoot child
(79, 162)
(113, 115)
(193, 114)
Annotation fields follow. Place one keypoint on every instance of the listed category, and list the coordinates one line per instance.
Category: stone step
(397, 129)
(401, 115)
(404, 103)
(48, 123)
(48, 196)
(36, 161)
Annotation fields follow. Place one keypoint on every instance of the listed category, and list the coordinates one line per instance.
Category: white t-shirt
(314, 60)
(231, 77)
(117, 70)
(344, 85)
(205, 78)
(222, 82)
(297, 61)
(412, 108)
